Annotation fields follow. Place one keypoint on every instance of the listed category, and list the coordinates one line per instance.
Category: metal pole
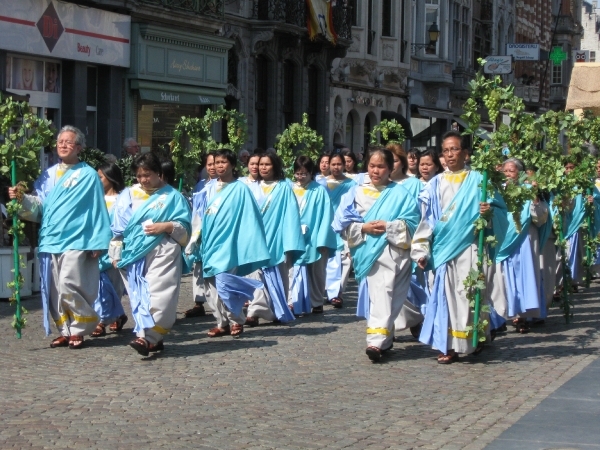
(180, 184)
(13, 173)
(565, 286)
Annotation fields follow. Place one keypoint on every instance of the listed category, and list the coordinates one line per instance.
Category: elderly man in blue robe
(68, 200)
(445, 241)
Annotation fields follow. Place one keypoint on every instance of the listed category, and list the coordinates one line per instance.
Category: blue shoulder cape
(74, 215)
(164, 205)
(316, 215)
(394, 203)
(281, 219)
(232, 233)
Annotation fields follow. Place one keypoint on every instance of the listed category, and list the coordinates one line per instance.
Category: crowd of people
(263, 248)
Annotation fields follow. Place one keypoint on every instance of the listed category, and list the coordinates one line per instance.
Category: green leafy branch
(387, 128)
(298, 139)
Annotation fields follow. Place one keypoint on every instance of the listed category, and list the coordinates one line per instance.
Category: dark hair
(350, 154)
(397, 150)
(230, 156)
(324, 155)
(413, 151)
(337, 155)
(387, 156)
(168, 170)
(113, 174)
(454, 134)
(278, 173)
(304, 162)
(432, 153)
(148, 161)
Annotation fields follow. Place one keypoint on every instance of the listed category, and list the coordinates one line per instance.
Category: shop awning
(431, 112)
(391, 115)
(584, 88)
(178, 94)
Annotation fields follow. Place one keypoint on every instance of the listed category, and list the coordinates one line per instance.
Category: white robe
(389, 277)
(459, 311)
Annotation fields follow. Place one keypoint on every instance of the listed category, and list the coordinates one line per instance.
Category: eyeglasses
(453, 150)
(66, 143)
(301, 175)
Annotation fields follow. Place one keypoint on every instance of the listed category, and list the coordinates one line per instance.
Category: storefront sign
(65, 30)
(523, 52)
(581, 56)
(183, 98)
(186, 65)
(499, 65)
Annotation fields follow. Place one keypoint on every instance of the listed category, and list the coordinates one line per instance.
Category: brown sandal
(218, 332)
(236, 330)
(75, 342)
(99, 331)
(61, 341)
(140, 345)
(451, 357)
(252, 321)
(117, 325)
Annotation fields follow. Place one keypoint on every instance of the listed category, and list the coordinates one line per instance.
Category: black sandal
(140, 345)
(337, 302)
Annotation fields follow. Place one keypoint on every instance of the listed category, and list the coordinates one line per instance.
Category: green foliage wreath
(298, 139)
(387, 128)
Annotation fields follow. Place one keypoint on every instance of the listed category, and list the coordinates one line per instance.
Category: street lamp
(434, 35)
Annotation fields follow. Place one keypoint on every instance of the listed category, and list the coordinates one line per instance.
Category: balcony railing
(294, 12)
(214, 8)
(287, 11)
(342, 21)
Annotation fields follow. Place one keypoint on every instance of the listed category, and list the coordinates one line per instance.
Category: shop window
(156, 123)
(261, 101)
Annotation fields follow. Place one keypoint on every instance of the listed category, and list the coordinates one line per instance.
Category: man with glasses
(445, 242)
(131, 147)
(68, 200)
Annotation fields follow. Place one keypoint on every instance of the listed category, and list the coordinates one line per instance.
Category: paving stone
(304, 385)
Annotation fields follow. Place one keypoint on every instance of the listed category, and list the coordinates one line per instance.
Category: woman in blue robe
(225, 215)
(307, 279)
(151, 224)
(108, 304)
(338, 265)
(378, 218)
(281, 220)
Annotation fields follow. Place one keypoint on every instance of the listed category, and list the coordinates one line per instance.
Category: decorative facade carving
(261, 40)
(387, 52)
(355, 46)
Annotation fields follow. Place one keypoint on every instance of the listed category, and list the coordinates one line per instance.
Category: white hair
(244, 152)
(518, 164)
(129, 142)
(79, 136)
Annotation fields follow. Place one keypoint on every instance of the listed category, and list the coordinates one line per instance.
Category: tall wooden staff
(16, 261)
(480, 248)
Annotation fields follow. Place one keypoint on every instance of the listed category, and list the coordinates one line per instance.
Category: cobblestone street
(306, 385)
